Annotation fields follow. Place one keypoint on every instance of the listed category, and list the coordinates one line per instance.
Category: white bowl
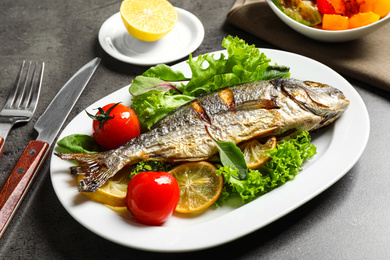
(326, 35)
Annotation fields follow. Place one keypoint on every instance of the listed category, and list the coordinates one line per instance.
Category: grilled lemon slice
(199, 186)
(253, 151)
(113, 192)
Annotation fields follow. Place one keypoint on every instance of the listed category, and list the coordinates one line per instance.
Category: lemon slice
(113, 192)
(199, 186)
(253, 151)
(148, 20)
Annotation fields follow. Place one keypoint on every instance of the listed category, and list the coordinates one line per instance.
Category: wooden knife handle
(19, 181)
(1, 146)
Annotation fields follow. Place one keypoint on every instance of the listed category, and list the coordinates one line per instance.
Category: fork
(23, 99)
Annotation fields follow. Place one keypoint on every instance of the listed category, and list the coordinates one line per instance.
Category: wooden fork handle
(19, 181)
(1, 146)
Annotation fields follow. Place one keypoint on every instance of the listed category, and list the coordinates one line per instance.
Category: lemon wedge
(253, 151)
(148, 20)
(113, 192)
(199, 186)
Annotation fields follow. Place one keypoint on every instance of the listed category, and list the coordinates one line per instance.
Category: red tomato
(117, 130)
(152, 197)
(325, 7)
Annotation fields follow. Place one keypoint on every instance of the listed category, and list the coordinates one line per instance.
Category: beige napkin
(366, 59)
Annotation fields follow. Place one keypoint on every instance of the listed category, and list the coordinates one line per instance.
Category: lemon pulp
(113, 192)
(199, 185)
(148, 20)
(253, 151)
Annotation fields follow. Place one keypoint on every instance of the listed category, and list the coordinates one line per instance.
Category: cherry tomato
(152, 197)
(114, 127)
(325, 7)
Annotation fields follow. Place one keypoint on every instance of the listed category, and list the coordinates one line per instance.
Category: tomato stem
(102, 116)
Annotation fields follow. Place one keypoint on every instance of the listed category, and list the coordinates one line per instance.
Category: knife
(32, 159)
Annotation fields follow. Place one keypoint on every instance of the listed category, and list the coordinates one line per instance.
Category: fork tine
(21, 98)
(25, 101)
(34, 93)
(15, 90)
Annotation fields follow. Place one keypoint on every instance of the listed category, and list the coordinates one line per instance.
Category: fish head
(320, 99)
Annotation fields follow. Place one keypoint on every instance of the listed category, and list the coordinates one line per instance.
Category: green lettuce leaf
(164, 72)
(286, 161)
(154, 105)
(244, 63)
(79, 143)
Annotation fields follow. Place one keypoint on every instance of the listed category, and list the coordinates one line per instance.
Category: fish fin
(96, 167)
(94, 181)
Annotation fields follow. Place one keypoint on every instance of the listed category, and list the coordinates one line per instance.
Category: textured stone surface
(350, 220)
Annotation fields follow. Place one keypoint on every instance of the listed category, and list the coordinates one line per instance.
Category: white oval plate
(339, 146)
(185, 38)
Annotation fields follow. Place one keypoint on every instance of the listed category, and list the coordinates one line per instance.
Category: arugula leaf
(274, 72)
(144, 84)
(231, 155)
(79, 143)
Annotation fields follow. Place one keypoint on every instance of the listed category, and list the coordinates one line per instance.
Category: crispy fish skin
(235, 114)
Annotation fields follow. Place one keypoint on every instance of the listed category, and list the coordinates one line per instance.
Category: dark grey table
(350, 220)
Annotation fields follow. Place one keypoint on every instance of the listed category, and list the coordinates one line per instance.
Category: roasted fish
(235, 114)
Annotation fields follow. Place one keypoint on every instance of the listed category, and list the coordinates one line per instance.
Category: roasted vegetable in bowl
(335, 14)
(303, 11)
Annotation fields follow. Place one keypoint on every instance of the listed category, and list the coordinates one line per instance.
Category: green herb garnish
(161, 89)
(286, 161)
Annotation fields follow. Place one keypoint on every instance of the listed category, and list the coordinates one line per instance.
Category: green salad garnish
(286, 161)
(160, 89)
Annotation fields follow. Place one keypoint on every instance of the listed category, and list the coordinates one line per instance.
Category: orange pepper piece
(335, 22)
(362, 19)
(381, 7)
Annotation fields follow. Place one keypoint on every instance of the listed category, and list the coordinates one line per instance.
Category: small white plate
(185, 38)
(339, 146)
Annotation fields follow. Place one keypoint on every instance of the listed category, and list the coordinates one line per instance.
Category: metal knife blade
(33, 157)
(51, 121)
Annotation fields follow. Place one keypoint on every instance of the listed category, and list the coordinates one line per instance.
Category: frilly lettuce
(160, 89)
(286, 161)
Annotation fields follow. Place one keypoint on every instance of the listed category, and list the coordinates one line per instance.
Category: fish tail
(96, 167)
